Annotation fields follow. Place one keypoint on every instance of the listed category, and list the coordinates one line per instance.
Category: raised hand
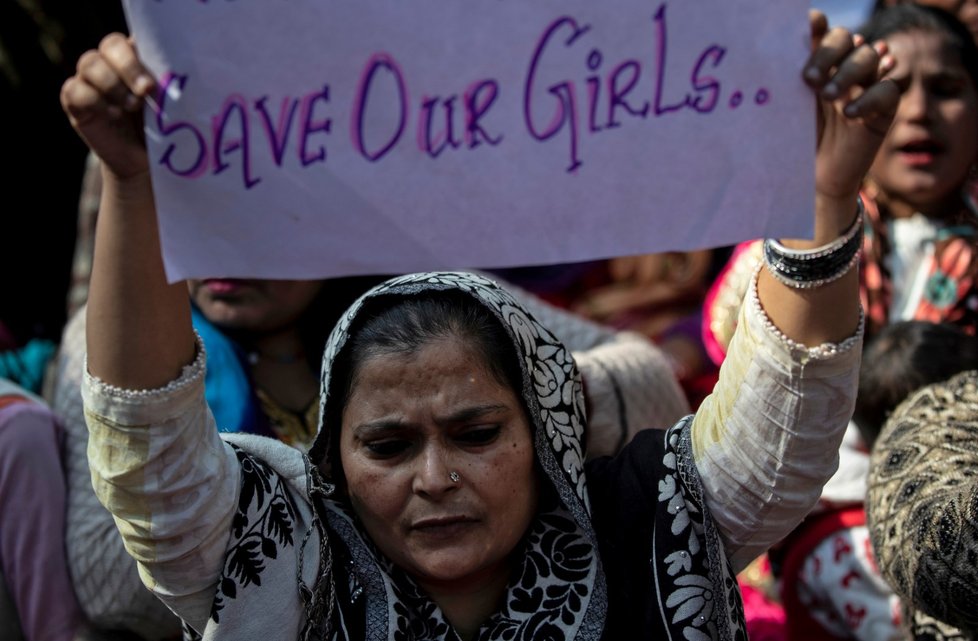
(104, 103)
(856, 105)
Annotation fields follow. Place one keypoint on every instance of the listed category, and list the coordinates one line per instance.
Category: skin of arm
(139, 331)
(854, 112)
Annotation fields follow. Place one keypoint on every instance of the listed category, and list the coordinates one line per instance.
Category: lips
(224, 286)
(920, 152)
(446, 527)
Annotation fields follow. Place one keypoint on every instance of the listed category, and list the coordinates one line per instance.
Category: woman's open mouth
(920, 153)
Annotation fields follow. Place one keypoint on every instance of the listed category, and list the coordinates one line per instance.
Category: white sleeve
(171, 483)
(767, 439)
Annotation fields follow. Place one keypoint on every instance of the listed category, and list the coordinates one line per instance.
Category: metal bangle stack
(810, 268)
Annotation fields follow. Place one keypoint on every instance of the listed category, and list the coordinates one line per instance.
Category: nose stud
(454, 477)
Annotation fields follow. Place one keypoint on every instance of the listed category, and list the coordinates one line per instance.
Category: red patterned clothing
(832, 588)
(914, 269)
(937, 270)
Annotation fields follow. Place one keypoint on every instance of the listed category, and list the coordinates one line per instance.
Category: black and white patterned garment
(923, 507)
(647, 563)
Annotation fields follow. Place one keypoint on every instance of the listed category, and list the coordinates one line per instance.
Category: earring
(454, 477)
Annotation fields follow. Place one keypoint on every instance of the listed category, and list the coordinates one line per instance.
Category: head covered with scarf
(557, 587)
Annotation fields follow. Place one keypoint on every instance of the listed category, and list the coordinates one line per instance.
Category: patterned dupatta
(290, 530)
(558, 591)
(951, 290)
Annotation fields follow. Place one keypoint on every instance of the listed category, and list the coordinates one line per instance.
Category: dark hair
(334, 298)
(902, 358)
(405, 325)
(906, 17)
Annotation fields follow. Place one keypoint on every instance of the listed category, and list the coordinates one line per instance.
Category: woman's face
(411, 420)
(933, 142)
(253, 305)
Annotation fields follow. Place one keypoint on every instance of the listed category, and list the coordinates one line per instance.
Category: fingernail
(858, 40)
(830, 90)
(142, 85)
(813, 74)
(851, 110)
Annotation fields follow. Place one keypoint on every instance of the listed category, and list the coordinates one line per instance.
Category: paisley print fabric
(923, 505)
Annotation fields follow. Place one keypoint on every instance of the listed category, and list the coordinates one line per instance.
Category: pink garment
(765, 616)
(32, 521)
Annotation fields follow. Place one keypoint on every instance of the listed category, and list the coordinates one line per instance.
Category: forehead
(442, 376)
(923, 51)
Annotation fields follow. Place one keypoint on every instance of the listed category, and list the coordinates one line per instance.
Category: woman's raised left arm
(767, 439)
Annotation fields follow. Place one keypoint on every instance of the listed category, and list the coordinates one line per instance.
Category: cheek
(367, 487)
(514, 475)
(373, 494)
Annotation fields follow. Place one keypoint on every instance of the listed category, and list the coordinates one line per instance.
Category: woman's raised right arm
(139, 330)
(155, 458)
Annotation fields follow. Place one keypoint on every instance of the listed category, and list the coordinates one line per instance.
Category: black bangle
(810, 268)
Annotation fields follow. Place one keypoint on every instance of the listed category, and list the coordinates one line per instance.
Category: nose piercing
(454, 477)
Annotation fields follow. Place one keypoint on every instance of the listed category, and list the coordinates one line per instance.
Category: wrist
(834, 214)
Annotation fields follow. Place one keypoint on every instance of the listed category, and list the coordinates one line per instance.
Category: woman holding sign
(446, 494)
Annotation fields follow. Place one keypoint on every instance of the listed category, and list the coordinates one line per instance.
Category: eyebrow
(384, 425)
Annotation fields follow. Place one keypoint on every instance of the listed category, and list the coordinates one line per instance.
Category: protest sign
(314, 138)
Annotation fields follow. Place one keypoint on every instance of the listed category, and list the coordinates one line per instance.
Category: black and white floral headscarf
(559, 591)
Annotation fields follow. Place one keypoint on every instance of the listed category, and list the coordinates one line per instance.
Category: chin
(455, 569)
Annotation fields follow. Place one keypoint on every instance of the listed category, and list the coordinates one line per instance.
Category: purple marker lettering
(445, 137)
(478, 99)
(735, 99)
(377, 62)
(198, 167)
(311, 126)
(660, 60)
(278, 135)
(707, 84)
(594, 60)
(566, 106)
(234, 104)
(618, 95)
(762, 96)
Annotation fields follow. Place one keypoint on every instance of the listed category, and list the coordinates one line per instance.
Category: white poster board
(315, 138)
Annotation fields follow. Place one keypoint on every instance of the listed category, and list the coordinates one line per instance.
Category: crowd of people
(770, 441)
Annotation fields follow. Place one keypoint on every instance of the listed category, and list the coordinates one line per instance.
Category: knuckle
(111, 42)
(87, 60)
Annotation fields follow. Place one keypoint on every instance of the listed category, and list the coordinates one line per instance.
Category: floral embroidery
(264, 522)
(701, 595)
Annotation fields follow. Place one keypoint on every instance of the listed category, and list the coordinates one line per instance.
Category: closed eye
(387, 448)
(479, 435)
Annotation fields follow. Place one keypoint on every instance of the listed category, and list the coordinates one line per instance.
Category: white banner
(315, 138)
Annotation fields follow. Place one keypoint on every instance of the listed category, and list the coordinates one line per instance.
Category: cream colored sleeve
(767, 439)
(171, 483)
(629, 383)
(104, 576)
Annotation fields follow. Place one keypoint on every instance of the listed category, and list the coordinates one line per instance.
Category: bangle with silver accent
(811, 268)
